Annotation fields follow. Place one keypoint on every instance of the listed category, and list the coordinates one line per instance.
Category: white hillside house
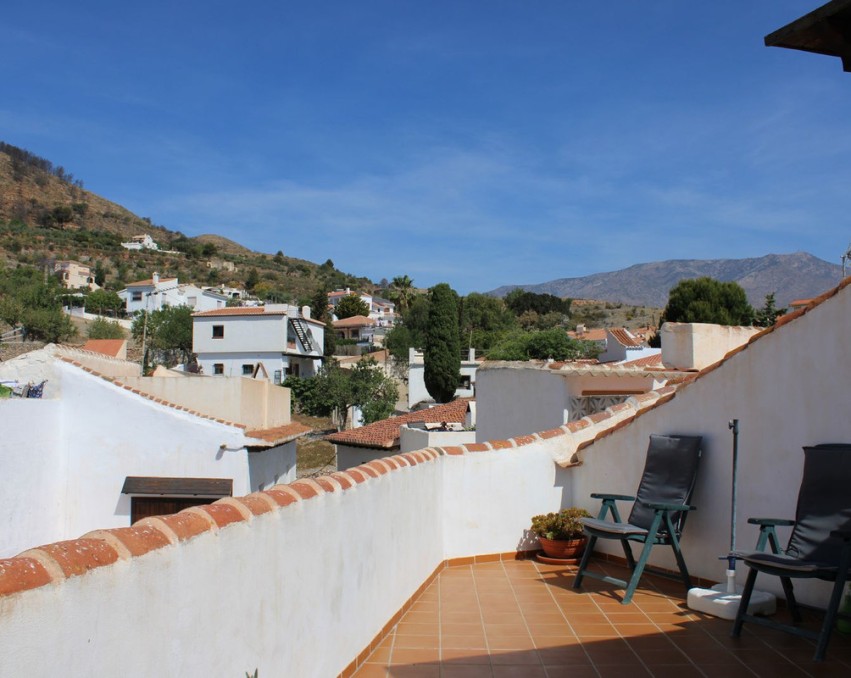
(156, 293)
(268, 342)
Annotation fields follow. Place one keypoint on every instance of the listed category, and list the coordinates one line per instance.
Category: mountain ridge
(789, 277)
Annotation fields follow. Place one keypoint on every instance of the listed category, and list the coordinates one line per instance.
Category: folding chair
(819, 547)
(658, 514)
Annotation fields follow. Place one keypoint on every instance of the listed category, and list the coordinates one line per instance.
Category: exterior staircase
(302, 331)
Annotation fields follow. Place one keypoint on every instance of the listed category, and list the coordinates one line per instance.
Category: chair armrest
(617, 497)
(661, 506)
(771, 521)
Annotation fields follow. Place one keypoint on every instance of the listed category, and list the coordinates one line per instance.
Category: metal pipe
(733, 425)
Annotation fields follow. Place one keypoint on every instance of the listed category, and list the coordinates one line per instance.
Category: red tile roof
(148, 283)
(623, 337)
(385, 433)
(110, 347)
(647, 361)
(280, 434)
(354, 321)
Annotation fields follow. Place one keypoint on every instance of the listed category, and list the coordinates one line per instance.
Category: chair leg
(627, 552)
(678, 554)
(791, 603)
(636, 573)
(744, 603)
(589, 548)
(829, 619)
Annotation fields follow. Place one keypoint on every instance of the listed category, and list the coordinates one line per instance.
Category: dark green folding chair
(658, 514)
(819, 547)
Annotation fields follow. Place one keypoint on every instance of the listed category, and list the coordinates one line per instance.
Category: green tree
(334, 389)
(768, 314)
(101, 328)
(706, 300)
(167, 334)
(484, 320)
(403, 292)
(319, 304)
(541, 345)
(100, 273)
(103, 302)
(521, 301)
(47, 324)
(252, 279)
(329, 337)
(442, 356)
(350, 306)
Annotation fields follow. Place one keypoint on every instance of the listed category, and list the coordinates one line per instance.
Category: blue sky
(476, 143)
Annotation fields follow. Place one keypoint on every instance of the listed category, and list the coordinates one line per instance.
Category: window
(137, 296)
(218, 368)
(218, 331)
(247, 370)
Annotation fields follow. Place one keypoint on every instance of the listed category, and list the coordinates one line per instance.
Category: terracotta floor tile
(504, 657)
(454, 656)
(414, 656)
(415, 641)
(372, 671)
(466, 671)
(524, 619)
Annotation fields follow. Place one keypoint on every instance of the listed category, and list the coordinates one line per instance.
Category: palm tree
(403, 287)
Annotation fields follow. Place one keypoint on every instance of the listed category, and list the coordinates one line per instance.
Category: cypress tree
(442, 355)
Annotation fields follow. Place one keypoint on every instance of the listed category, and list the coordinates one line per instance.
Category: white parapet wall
(300, 579)
(693, 346)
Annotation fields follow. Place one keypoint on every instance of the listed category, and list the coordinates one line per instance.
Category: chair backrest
(824, 503)
(669, 475)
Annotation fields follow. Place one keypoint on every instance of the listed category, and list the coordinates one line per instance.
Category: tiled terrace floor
(521, 618)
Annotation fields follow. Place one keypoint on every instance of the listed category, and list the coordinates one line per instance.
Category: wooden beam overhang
(826, 30)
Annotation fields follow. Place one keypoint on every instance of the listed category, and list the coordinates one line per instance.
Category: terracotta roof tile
(355, 321)
(385, 433)
(148, 283)
(646, 361)
(280, 434)
(110, 347)
(623, 337)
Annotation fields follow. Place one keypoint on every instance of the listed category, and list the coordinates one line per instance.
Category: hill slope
(47, 215)
(788, 276)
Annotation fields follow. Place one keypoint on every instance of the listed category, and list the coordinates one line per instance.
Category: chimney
(155, 278)
(305, 312)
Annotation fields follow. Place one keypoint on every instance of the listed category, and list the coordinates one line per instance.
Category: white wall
(302, 590)
(73, 457)
(514, 401)
(411, 439)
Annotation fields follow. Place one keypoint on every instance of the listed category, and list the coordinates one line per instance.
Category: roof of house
(354, 321)
(149, 282)
(250, 310)
(385, 433)
(110, 347)
(624, 337)
(596, 334)
(654, 360)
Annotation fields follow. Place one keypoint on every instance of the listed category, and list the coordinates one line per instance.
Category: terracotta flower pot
(564, 549)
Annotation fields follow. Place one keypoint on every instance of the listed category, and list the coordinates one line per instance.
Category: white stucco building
(270, 341)
(105, 446)
(156, 293)
(417, 392)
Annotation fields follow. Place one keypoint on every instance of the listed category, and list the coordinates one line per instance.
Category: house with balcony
(417, 392)
(75, 275)
(268, 342)
(156, 293)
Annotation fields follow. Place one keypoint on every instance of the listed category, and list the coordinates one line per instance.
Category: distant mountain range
(788, 276)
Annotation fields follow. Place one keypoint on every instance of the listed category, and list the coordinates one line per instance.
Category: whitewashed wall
(74, 454)
(512, 402)
(302, 590)
(32, 473)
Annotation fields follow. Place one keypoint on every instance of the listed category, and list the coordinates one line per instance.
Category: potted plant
(560, 534)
